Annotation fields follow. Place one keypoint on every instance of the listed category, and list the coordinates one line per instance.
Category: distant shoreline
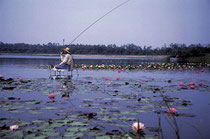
(95, 56)
(197, 59)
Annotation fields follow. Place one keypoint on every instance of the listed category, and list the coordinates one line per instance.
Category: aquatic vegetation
(171, 110)
(181, 84)
(103, 104)
(191, 83)
(151, 66)
(138, 126)
(192, 86)
(200, 83)
(14, 127)
(52, 95)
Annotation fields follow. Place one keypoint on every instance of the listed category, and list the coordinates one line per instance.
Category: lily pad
(78, 123)
(49, 108)
(34, 112)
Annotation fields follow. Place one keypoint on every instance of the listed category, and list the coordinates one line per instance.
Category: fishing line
(118, 6)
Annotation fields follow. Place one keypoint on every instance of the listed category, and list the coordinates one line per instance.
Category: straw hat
(67, 50)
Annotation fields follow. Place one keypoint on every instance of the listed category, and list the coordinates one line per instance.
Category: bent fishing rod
(88, 27)
(113, 9)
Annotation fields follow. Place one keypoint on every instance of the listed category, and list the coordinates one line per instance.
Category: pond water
(103, 101)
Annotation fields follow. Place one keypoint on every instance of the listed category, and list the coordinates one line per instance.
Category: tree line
(129, 49)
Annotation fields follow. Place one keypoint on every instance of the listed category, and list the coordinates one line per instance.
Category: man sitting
(66, 60)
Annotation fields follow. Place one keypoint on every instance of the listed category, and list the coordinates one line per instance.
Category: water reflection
(66, 86)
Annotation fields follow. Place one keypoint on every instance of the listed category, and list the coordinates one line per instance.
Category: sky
(141, 22)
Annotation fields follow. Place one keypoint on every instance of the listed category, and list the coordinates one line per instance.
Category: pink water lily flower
(14, 127)
(181, 84)
(192, 87)
(20, 79)
(136, 125)
(52, 95)
(171, 110)
(191, 83)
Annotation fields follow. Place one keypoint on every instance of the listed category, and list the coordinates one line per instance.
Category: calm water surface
(86, 106)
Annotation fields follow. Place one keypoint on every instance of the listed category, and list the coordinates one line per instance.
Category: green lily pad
(17, 135)
(4, 132)
(72, 129)
(103, 137)
(30, 130)
(40, 137)
(127, 118)
(16, 111)
(73, 135)
(43, 126)
(37, 121)
(54, 125)
(77, 123)
(50, 132)
(30, 136)
(34, 112)
(49, 108)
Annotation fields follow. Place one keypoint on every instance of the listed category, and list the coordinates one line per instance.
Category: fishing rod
(113, 9)
(118, 6)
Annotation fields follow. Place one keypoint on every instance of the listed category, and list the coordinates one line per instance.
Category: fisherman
(66, 60)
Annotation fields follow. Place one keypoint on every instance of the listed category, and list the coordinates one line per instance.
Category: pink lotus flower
(117, 78)
(171, 110)
(105, 78)
(181, 84)
(180, 69)
(119, 71)
(137, 126)
(200, 83)
(52, 95)
(191, 83)
(197, 72)
(1, 76)
(14, 127)
(83, 69)
(137, 69)
(192, 87)
(153, 78)
(109, 84)
(20, 79)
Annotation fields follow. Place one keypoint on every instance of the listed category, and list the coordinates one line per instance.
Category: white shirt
(67, 60)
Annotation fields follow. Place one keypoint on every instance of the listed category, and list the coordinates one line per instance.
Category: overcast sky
(142, 22)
